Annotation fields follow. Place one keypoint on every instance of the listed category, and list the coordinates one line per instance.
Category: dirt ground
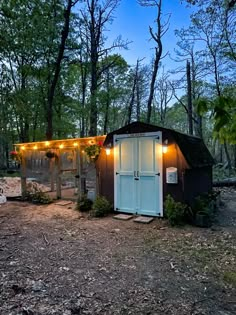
(54, 260)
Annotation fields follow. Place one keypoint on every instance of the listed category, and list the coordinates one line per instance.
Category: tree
(157, 37)
(57, 68)
(96, 16)
(163, 96)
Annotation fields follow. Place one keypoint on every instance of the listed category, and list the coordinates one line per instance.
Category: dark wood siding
(105, 175)
(173, 158)
(196, 182)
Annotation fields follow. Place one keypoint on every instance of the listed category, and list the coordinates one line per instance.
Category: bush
(101, 207)
(205, 203)
(39, 197)
(84, 204)
(36, 195)
(175, 211)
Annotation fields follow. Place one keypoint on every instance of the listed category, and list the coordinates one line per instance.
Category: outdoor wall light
(47, 143)
(75, 144)
(61, 146)
(22, 147)
(108, 151)
(35, 147)
(165, 146)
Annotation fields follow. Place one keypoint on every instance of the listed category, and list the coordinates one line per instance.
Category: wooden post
(58, 174)
(23, 174)
(78, 171)
(51, 170)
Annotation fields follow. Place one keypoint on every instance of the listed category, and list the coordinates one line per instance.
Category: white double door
(138, 174)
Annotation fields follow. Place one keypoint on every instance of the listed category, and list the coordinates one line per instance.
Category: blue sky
(132, 22)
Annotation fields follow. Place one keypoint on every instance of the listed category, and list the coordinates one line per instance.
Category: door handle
(134, 173)
(137, 173)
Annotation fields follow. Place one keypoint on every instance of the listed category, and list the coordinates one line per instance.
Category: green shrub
(39, 197)
(36, 195)
(175, 211)
(101, 207)
(84, 204)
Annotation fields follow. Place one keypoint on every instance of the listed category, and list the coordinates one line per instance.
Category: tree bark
(189, 92)
(57, 69)
(158, 53)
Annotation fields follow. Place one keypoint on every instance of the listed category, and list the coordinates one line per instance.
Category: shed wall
(173, 158)
(196, 182)
(105, 175)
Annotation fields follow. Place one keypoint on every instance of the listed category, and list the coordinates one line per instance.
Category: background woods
(62, 73)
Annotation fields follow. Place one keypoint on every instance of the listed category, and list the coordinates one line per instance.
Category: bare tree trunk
(190, 106)
(131, 103)
(138, 101)
(157, 37)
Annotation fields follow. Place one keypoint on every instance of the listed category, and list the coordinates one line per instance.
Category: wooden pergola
(76, 145)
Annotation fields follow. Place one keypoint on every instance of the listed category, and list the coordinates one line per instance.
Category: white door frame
(159, 163)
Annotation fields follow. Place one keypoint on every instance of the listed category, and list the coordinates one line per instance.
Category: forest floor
(55, 260)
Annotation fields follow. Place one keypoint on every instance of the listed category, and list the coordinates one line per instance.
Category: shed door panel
(138, 184)
(149, 181)
(125, 166)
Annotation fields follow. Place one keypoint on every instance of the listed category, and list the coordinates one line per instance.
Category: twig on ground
(45, 239)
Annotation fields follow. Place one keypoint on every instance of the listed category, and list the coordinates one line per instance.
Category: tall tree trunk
(197, 116)
(189, 92)
(131, 103)
(158, 53)
(57, 69)
(83, 69)
(107, 101)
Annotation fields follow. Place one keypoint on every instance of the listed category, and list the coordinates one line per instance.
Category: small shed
(144, 163)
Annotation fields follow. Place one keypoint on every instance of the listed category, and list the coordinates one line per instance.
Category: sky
(132, 22)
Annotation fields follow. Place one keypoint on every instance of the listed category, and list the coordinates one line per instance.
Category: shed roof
(193, 148)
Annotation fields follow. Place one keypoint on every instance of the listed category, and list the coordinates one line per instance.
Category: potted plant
(16, 156)
(93, 151)
(203, 218)
(50, 154)
(203, 211)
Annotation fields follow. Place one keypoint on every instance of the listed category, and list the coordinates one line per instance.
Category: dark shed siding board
(173, 158)
(196, 182)
(105, 173)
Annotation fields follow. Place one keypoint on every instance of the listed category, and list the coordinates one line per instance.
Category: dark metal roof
(193, 148)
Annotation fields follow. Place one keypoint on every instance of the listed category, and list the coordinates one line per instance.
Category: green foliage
(175, 211)
(93, 151)
(201, 106)
(203, 209)
(35, 195)
(101, 207)
(84, 204)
